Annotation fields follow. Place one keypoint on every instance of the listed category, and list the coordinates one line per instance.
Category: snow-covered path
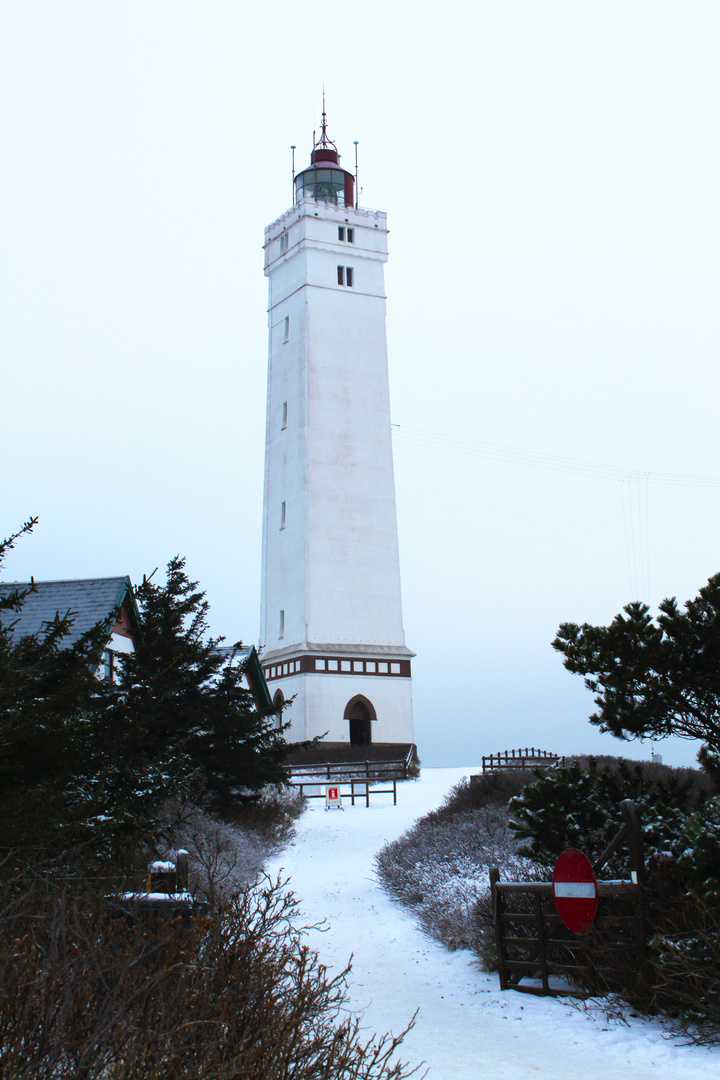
(465, 1027)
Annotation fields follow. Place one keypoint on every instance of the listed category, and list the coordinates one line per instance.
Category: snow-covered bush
(700, 853)
(440, 867)
(580, 807)
(685, 951)
(685, 958)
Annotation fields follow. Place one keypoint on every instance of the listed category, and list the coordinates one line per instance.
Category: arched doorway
(278, 702)
(359, 712)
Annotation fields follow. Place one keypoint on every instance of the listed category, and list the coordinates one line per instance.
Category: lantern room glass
(328, 185)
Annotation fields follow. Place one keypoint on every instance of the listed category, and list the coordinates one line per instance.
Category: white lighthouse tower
(331, 621)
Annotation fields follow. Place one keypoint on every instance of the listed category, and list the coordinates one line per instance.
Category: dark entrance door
(360, 725)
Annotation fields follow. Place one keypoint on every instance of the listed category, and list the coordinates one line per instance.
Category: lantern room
(325, 179)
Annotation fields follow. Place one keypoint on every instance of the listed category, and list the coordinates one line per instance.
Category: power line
(513, 455)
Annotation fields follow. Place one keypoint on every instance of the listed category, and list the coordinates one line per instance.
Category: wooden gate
(533, 943)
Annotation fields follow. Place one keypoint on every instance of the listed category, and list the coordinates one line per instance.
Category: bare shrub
(87, 996)
(685, 959)
(223, 858)
(226, 855)
(270, 815)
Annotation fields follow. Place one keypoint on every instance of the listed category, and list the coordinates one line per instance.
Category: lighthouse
(331, 631)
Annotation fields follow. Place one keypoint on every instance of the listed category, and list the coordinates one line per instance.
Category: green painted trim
(125, 596)
(256, 680)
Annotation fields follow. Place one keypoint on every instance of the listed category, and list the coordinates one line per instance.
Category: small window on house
(349, 276)
(332, 665)
(341, 232)
(319, 665)
(109, 664)
(284, 416)
(286, 328)
(282, 515)
(341, 275)
(351, 236)
(283, 243)
(282, 623)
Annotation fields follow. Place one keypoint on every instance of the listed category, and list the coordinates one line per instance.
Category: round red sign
(575, 890)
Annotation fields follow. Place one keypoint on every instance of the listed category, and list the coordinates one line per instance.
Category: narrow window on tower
(341, 275)
(284, 415)
(283, 243)
(282, 515)
(341, 232)
(351, 236)
(349, 276)
(286, 328)
(282, 623)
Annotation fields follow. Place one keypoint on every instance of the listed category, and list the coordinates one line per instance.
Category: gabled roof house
(87, 602)
(109, 601)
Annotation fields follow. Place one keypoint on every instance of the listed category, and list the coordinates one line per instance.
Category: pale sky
(550, 174)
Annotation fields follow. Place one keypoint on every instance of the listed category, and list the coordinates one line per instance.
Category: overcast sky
(550, 174)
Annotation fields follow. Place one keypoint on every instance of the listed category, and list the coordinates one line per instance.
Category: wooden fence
(346, 770)
(533, 943)
(365, 789)
(528, 758)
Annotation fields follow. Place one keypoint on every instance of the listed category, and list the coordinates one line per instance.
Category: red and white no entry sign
(575, 890)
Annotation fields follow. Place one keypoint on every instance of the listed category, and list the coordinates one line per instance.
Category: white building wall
(320, 701)
(332, 568)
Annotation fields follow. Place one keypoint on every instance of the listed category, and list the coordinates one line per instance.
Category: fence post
(394, 791)
(635, 839)
(637, 869)
(496, 898)
(182, 869)
(541, 942)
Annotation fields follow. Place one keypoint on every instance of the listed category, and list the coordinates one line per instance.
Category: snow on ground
(465, 1026)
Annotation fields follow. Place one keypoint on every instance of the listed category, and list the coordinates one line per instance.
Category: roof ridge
(66, 581)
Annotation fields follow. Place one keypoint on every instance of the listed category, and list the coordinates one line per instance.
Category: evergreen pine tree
(188, 697)
(654, 677)
(71, 783)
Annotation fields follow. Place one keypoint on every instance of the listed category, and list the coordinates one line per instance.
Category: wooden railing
(529, 758)
(366, 788)
(336, 770)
